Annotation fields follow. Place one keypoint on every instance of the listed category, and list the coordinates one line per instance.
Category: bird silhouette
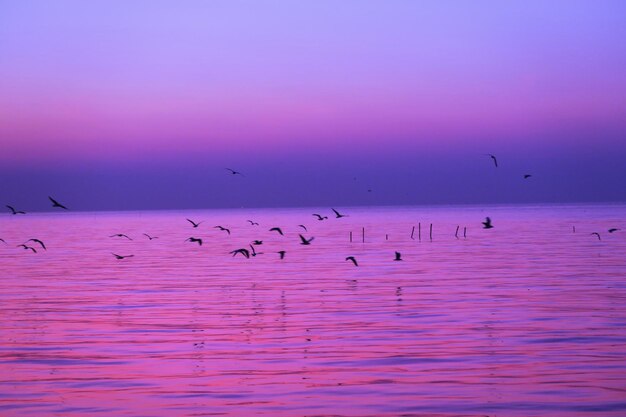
(304, 227)
(13, 211)
(194, 240)
(282, 254)
(597, 234)
(223, 229)
(27, 247)
(3, 241)
(121, 235)
(487, 223)
(242, 251)
(351, 258)
(232, 171)
(150, 237)
(277, 229)
(613, 230)
(254, 252)
(252, 223)
(526, 176)
(398, 256)
(320, 217)
(56, 203)
(257, 242)
(495, 161)
(337, 214)
(305, 241)
(121, 256)
(194, 224)
(37, 241)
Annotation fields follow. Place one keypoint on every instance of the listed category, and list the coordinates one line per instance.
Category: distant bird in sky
(56, 203)
(252, 223)
(526, 176)
(277, 229)
(305, 241)
(194, 224)
(613, 230)
(194, 240)
(257, 242)
(254, 252)
(232, 171)
(121, 235)
(597, 234)
(223, 229)
(487, 223)
(337, 214)
(27, 247)
(282, 254)
(242, 251)
(320, 217)
(121, 256)
(398, 256)
(13, 211)
(37, 241)
(495, 161)
(150, 237)
(351, 258)
(304, 227)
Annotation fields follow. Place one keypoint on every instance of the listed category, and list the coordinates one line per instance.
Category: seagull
(304, 241)
(27, 247)
(320, 217)
(242, 251)
(56, 203)
(277, 229)
(120, 235)
(337, 214)
(232, 171)
(487, 223)
(495, 161)
(222, 229)
(13, 211)
(195, 239)
(37, 241)
(257, 242)
(252, 223)
(526, 176)
(150, 237)
(398, 256)
(613, 230)
(194, 224)
(304, 227)
(351, 258)
(121, 257)
(597, 234)
(254, 253)
(282, 254)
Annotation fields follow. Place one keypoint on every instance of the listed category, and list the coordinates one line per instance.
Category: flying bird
(121, 256)
(150, 237)
(121, 235)
(252, 223)
(320, 217)
(13, 211)
(337, 214)
(232, 171)
(257, 242)
(487, 223)
(37, 241)
(194, 224)
(254, 252)
(597, 234)
(56, 203)
(194, 239)
(495, 161)
(3, 241)
(27, 247)
(223, 229)
(304, 241)
(613, 230)
(242, 251)
(398, 256)
(277, 229)
(351, 258)
(304, 227)
(526, 176)
(282, 254)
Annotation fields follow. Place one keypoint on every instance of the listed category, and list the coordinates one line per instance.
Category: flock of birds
(245, 252)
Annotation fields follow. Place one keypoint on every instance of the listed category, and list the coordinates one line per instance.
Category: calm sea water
(525, 319)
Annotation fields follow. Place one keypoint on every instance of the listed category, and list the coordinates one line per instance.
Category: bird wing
(336, 212)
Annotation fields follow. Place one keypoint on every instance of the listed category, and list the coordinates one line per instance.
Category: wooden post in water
(386, 237)
(412, 233)
(431, 232)
(350, 236)
(419, 231)
(456, 234)
(464, 232)
(363, 235)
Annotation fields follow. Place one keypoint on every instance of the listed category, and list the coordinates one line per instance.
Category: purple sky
(142, 104)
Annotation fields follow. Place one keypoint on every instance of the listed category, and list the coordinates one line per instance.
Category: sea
(527, 318)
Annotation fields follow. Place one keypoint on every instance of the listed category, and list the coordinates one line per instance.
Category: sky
(126, 105)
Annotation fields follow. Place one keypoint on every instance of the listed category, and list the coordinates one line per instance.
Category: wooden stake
(412, 233)
(431, 232)
(456, 234)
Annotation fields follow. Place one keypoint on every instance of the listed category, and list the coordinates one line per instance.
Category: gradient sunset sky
(143, 104)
